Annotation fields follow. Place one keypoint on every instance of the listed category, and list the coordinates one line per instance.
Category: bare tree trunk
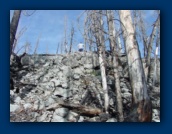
(97, 30)
(115, 64)
(65, 40)
(57, 48)
(142, 28)
(36, 46)
(153, 34)
(71, 38)
(20, 33)
(156, 60)
(119, 44)
(47, 49)
(13, 27)
(141, 107)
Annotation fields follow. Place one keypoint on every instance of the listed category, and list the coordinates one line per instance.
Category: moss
(96, 73)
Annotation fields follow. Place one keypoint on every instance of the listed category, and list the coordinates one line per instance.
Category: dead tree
(57, 48)
(26, 47)
(36, 46)
(18, 35)
(97, 29)
(13, 27)
(141, 104)
(115, 63)
(152, 37)
(71, 38)
(141, 26)
(156, 59)
(65, 38)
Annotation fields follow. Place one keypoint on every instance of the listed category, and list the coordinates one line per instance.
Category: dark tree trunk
(13, 28)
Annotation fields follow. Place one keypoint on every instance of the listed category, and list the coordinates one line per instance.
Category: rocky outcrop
(67, 88)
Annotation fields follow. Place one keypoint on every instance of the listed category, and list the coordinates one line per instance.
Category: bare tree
(98, 33)
(141, 104)
(115, 63)
(13, 27)
(47, 51)
(26, 47)
(19, 34)
(65, 30)
(71, 38)
(150, 45)
(156, 59)
(57, 48)
(141, 25)
(36, 46)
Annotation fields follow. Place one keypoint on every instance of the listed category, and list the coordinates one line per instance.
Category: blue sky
(49, 26)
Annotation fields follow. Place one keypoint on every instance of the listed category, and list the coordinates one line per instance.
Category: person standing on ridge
(80, 47)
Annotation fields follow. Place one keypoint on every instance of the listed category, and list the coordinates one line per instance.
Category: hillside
(67, 88)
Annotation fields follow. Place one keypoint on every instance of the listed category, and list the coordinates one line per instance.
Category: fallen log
(82, 110)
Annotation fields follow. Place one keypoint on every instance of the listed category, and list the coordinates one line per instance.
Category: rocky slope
(67, 88)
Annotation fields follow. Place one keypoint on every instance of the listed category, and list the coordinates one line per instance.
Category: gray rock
(127, 96)
(112, 120)
(124, 90)
(26, 60)
(62, 112)
(66, 71)
(42, 117)
(76, 76)
(78, 70)
(88, 66)
(65, 85)
(27, 106)
(57, 118)
(81, 119)
(14, 107)
(72, 116)
(49, 101)
(55, 82)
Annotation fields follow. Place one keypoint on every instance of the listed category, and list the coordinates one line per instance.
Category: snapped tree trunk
(115, 64)
(141, 104)
(13, 28)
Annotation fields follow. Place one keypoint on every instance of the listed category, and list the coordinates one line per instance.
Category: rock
(27, 106)
(76, 76)
(11, 93)
(62, 92)
(17, 100)
(127, 96)
(72, 116)
(81, 119)
(124, 90)
(55, 82)
(65, 85)
(42, 117)
(110, 80)
(57, 118)
(62, 112)
(14, 107)
(49, 101)
(88, 66)
(79, 70)
(26, 60)
(66, 71)
(112, 120)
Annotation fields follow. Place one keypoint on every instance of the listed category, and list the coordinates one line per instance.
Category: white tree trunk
(141, 108)
(115, 64)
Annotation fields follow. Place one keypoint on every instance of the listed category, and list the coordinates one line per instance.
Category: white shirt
(80, 46)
